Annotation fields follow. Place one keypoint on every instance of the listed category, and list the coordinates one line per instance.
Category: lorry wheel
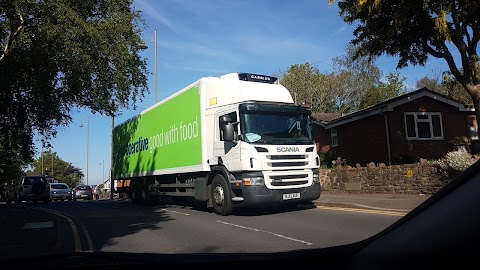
(134, 192)
(221, 196)
(145, 196)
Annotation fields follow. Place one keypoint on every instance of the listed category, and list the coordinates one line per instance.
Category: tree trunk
(474, 91)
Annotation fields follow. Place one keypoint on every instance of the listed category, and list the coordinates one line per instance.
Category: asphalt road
(120, 226)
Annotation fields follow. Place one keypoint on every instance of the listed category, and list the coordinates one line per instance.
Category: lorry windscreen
(271, 128)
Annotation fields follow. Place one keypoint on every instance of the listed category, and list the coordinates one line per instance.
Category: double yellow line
(367, 211)
(75, 231)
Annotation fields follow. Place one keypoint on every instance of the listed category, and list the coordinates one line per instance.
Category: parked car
(60, 191)
(29, 188)
(84, 192)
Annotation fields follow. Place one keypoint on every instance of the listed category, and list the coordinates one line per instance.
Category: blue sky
(214, 37)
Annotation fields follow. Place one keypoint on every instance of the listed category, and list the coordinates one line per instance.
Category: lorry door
(226, 153)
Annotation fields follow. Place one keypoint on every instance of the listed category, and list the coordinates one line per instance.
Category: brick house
(419, 124)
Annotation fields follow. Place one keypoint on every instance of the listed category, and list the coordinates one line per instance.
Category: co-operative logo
(288, 149)
(135, 147)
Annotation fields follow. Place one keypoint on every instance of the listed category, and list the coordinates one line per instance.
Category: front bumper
(83, 196)
(60, 196)
(258, 195)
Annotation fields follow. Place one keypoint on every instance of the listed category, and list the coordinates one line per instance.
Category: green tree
(393, 87)
(58, 56)
(415, 30)
(308, 86)
(445, 84)
(54, 166)
(352, 79)
(429, 82)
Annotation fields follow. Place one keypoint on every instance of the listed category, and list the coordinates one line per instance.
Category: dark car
(29, 188)
(84, 192)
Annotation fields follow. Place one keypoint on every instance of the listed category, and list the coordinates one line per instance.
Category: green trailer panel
(165, 137)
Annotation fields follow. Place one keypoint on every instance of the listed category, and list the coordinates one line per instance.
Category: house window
(423, 125)
(333, 135)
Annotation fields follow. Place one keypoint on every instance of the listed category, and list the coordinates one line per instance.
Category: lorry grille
(286, 161)
(288, 180)
(277, 157)
(289, 164)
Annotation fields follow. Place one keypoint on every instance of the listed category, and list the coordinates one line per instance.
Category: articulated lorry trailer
(231, 141)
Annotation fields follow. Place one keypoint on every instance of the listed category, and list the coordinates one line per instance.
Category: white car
(60, 191)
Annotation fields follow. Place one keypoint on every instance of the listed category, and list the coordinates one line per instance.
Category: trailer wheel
(145, 195)
(221, 196)
(134, 196)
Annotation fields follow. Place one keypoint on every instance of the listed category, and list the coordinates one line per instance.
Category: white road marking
(38, 225)
(166, 210)
(267, 232)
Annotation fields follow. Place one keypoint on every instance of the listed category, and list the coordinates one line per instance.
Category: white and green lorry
(230, 141)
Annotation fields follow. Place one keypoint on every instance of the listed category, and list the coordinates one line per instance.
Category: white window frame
(334, 134)
(429, 121)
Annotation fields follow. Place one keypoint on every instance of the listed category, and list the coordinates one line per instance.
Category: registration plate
(84, 195)
(290, 196)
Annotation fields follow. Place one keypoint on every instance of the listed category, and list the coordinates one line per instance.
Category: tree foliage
(391, 88)
(415, 30)
(446, 85)
(308, 86)
(60, 55)
(52, 165)
(352, 85)
(355, 77)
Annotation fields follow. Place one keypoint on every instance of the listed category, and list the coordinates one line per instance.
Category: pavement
(387, 202)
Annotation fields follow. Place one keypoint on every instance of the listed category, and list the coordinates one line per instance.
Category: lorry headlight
(252, 181)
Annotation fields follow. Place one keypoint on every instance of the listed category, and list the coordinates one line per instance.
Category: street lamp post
(156, 68)
(143, 46)
(103, 172)
(88, 142)
(111, 160)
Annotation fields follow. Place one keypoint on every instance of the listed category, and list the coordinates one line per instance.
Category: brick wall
(397, 179)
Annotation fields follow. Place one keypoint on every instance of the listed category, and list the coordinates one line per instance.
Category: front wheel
(221, 196)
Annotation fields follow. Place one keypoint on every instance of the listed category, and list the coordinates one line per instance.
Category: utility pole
(88, 142)
(156, 68)
(111, 161)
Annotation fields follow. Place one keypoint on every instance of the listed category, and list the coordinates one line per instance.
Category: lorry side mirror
(228, 130)
(225, 119)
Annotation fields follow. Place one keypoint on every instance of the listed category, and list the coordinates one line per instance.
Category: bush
(456, 162)
(326, 159)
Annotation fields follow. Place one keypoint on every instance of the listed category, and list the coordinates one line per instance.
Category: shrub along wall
(398, 179)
